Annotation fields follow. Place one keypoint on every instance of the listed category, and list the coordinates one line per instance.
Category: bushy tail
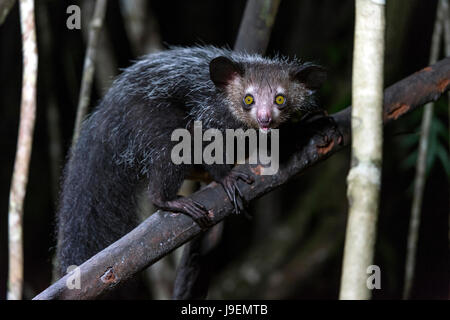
(96, 208)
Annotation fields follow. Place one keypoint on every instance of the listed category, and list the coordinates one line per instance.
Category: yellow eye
(280, 99)
(248, 99)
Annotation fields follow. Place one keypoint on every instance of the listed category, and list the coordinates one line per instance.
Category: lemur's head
(265, 93)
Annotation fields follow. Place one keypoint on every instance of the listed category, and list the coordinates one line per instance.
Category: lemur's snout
(264, 118)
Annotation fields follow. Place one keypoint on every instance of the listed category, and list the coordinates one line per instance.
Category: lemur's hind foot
(189, 207)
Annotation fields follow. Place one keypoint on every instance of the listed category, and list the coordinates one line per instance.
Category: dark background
(303, 223)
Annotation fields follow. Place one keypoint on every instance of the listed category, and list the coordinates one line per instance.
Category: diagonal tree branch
(163, 232)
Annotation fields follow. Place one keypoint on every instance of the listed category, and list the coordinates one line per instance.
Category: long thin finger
(197, 214)
(240, 193)
(199, 205)
(245, 177)
(240, 199)
(227, 189)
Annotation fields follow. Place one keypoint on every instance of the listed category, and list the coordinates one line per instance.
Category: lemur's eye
(280, 100)
(248, 100)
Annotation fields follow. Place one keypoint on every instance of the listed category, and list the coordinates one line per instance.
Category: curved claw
(189, 207)
(244, 202)
(233, 191)
(229, 186)
(243, 176)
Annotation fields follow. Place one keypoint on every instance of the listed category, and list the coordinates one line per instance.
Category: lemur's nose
(264, 119)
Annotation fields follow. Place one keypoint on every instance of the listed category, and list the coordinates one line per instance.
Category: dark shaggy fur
(126, 143)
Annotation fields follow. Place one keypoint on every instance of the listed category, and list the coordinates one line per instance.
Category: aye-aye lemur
(126, 141)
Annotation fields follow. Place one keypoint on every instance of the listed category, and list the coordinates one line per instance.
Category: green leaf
(410, 140)
(443, 156)
(410, 161)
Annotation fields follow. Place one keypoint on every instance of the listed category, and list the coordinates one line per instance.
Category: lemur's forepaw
(333, 134)
(316, 125)
(189, 207)
(230, 185)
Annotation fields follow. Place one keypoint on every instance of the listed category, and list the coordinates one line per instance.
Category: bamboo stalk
(364, 177)
(23, 153)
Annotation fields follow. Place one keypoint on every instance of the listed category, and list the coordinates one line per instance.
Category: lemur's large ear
(311, 75)
(222, 70)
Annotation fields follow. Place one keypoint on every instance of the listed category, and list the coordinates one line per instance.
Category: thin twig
(89, 66)
(105, 61)
(23, 153)
(5, 8)
(420, 177)
(446, 14)
(52, 111)
(163, 232)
